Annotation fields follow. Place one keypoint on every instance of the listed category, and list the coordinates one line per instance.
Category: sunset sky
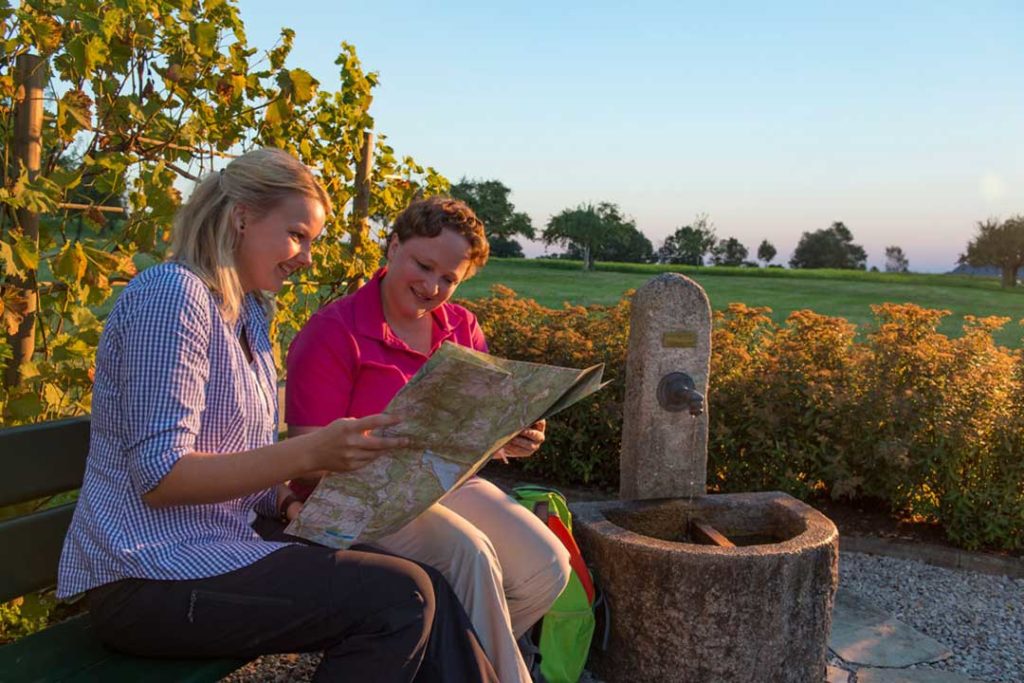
(905, 120)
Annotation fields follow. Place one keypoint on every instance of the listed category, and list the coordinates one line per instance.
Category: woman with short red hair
(355, 354)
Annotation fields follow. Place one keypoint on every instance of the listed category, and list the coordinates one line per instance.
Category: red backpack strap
(575, 558)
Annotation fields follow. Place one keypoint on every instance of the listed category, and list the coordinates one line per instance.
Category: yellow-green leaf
(205, 37)
(111, 21)
(25, 407)
(74, 113)
(239, 82)
(303, 85)
(96, 52)
(26, 250)
(52, 396)
(7, 265)
(44, 31)
(71, 263)
(278, 111)
(11, 321)
(104, 260)
(67, 178)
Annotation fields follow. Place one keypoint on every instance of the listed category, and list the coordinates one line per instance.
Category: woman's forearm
(309, 481)
(199, 478)
(344, 445)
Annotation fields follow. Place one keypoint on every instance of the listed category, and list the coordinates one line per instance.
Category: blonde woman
(183, 450)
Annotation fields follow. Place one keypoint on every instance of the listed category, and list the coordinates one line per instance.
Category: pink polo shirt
(346, 362)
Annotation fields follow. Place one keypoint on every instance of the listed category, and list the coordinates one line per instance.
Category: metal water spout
(677, 391)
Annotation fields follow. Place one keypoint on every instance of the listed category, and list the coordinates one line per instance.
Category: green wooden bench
(43, 460)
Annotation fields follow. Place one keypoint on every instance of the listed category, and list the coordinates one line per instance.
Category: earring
(241, 226)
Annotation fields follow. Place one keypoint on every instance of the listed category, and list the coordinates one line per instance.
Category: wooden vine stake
(28, 138)
(361, 203)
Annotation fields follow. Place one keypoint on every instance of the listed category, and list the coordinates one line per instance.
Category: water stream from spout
(691, 454)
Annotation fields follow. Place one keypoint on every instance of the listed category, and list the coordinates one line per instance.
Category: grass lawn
(846, 294)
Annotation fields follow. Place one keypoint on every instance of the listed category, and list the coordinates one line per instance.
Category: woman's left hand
(287, 504)
(525, 443)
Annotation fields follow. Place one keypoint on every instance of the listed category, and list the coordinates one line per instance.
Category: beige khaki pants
(502, 562)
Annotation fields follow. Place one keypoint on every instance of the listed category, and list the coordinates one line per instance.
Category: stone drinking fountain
(701, 588)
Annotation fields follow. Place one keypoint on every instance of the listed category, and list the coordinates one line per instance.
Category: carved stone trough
(715, 588)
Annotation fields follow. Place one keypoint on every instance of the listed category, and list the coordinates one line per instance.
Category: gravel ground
(980, 618)
(977, 616)
(276, 669)
(289, 668)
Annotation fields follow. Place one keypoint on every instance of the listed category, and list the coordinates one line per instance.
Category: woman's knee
(558, 573)
(545, 578)
(396, 593)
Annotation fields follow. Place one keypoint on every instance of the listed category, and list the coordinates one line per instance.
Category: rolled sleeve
(165, 369)
(266, 505)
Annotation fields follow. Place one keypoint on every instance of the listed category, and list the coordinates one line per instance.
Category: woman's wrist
(285, 504)
(309, 452)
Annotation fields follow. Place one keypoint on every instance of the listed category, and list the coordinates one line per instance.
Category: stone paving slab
(833, 674)
(909, 676)
(864, 635)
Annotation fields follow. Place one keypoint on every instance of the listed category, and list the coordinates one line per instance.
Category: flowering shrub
(932, 426)
(582, 441)
(776, 399)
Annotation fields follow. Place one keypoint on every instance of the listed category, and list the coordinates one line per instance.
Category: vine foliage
(143, 97)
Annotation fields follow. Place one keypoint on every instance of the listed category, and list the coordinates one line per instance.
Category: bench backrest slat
(31, 549)
(42, 459)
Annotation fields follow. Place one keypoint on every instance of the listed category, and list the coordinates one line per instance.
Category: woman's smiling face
(275, 244)
(423, 273)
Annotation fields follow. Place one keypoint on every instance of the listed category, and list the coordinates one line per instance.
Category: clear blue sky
(905, 120)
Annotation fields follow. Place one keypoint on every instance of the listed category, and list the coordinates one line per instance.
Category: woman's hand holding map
(348, 444)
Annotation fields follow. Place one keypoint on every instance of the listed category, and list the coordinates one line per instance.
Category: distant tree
(489, 199)
(626, 244)
(766, 252)
(505, 247)
(830, 247)
(688, 244)
(998, 244)
(729, 252)
(895, 260)
(591, 232)
(580, 229)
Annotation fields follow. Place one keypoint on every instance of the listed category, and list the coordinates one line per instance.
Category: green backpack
(566, 630)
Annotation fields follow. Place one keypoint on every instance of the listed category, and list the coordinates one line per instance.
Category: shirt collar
(369, 311)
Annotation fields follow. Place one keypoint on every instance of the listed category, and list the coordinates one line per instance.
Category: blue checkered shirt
(171, 378)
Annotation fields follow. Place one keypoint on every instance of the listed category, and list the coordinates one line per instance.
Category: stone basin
(682, 609)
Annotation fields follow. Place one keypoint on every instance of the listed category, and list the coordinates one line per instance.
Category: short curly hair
(428, 217)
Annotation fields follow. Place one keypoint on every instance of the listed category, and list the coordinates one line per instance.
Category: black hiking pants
(376, 617)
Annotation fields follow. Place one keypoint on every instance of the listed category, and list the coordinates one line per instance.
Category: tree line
(602, 232)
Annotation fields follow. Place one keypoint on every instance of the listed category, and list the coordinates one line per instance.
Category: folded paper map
(457, 411)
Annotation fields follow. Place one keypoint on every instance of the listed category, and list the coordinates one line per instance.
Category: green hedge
(931, 426)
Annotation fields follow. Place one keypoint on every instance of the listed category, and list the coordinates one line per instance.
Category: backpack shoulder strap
(575, 557)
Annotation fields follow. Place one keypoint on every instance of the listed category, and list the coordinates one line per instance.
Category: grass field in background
(848, 294)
